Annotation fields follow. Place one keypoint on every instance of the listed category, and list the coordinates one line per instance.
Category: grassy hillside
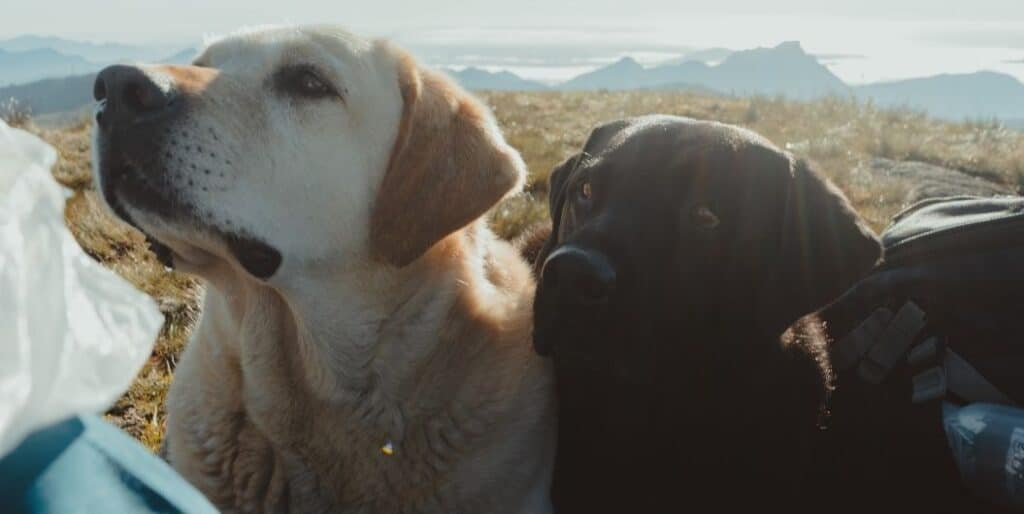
(839, 135)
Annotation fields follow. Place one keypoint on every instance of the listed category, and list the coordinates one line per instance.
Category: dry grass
(14, 113)
(547, 127)
(119, 247)
(836, 134)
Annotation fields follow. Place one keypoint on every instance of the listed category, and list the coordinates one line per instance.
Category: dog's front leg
(210, 438)
(204, 419)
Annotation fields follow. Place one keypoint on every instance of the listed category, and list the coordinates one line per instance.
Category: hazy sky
(902, 37)
(976, 21)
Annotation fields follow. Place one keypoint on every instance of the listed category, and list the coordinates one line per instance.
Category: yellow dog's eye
(311, 84)
(304, 81)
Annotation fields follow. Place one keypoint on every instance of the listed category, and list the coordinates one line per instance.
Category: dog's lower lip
(114, 189)
(260, 259)
(162, 252)
(130, 184)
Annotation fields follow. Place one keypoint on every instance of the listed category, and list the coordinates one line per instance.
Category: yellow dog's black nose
(127, 94)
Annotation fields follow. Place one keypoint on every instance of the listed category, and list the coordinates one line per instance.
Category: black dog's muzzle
(576, 287)
(578, 277)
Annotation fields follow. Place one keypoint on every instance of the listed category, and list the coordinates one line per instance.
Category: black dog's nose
(127, 93)
(578, 276)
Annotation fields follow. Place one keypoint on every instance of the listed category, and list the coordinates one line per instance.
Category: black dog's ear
(596, 141)
(556, 199)
(826, 247)
(602, 135)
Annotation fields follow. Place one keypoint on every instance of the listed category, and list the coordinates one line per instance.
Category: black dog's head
(666, 229)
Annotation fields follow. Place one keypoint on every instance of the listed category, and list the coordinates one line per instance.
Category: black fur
(692, 388)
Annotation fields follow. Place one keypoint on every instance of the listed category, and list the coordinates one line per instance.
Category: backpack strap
(956, 375)
(892, 344)
(931, 383)
(882, 340)
(848, 352)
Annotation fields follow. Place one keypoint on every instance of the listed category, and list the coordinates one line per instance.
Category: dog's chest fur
(287, 423)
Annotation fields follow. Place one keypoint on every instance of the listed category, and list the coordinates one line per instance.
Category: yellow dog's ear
(448, 166)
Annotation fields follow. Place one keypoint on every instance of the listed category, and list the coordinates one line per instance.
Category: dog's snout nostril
(126, 93)
(596, 283)
(579, 276)
(595, 288)
(134, 96)
(99, 89)
(549, 277)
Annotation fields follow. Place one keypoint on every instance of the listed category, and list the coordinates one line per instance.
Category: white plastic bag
(72, 333)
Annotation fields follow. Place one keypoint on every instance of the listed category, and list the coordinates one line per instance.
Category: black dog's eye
(305, 82)
(584, 191)
(704, 218)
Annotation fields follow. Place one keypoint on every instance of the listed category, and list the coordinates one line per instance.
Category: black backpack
(946, 300)
(939, 324)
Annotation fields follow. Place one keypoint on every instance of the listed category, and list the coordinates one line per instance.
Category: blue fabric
(85, 465)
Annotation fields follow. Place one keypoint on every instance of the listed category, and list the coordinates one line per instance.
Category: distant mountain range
(71, 93)
(29, 58)
(787, 70)
(978, 95)
(183, 57)
(707, 56)
(53, 95)
(784, 70)
(95, 52)
(476, 78)
(29, 65)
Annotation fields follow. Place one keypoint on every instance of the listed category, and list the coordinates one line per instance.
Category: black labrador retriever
(672, 294)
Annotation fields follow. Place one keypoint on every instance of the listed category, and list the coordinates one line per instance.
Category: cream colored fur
(291, 385)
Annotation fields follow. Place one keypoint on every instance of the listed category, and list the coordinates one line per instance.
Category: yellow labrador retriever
(365, 339)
